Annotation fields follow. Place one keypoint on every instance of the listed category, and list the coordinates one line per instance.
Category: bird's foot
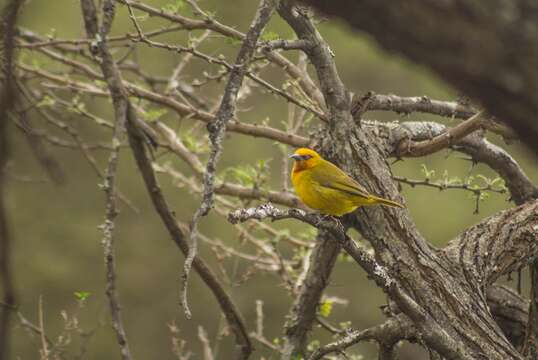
(328, 218)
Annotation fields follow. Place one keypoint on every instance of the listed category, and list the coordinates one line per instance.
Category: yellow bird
(323, 186)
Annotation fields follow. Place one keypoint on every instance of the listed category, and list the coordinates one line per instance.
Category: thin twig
(217, 128)
(202, 335)
(44, 352)
(110, 72)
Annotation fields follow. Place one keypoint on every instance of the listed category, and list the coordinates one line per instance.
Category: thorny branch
(217, 129)
(475, 145)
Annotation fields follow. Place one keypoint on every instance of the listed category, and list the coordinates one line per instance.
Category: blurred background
(57, 243)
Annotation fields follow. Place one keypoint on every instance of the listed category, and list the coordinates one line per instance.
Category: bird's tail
(378, 200)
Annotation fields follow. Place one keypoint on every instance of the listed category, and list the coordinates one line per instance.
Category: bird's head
(305, 159)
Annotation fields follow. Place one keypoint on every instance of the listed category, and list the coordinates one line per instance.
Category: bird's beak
(295, 157)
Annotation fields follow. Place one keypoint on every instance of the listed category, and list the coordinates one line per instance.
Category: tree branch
(8, 21)
(304, 310)
(136, 140)
(498, 245)
(120, 103)
(217, 129)
(421, 293)
(530, 345)
(423, 104)
(475, 145)
(386, 335)
(446, 139)
(495, 64)
(232, 314)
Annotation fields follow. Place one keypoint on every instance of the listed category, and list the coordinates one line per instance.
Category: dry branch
(120, 102)
(217, 129)
(475, 145)
(8, 21)
(496, 60)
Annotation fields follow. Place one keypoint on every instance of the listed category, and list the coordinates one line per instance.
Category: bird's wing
(334, 178)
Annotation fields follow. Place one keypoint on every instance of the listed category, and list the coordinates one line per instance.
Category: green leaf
(233, 41)
(154, 114)
(82, 295)
(325, 308)
(428, 174)
(46, 101)
(243, 174)
(175, 6)
(270, 35)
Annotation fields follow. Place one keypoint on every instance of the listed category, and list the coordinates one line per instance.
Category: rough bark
(447, 306)
(304, 310)
(486, 49)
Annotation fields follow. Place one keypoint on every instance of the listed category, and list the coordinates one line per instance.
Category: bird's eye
(306, 157)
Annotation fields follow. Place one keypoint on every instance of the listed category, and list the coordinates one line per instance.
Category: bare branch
(232, 314)
(423, 104)
(442, 141)
(210, 23)
(202, 335)
(8, 21)
(285, 45)
(475, 145)
(120, 102)
(386, 335)
(217, 129)
(503, 86)
(407, 105)
(255, 130)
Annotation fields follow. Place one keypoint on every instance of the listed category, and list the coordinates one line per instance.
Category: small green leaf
(270, 35)
(154, 114)
(428, 174)
(325, 308)
(232, 41)
(82, 295)
(174, 7)
(46, 101)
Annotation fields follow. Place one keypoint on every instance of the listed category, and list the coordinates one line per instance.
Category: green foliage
(345, 324)
(308, 234)
(248, 175)
(325, 308)
(269, 36)
(313, 345)
(154, 114)
(46, 101)
(233, 41)
(428, 174)
(195, 144)
(344, 257)
(175, 6)
(243, 174)
(82, 295)
(281, 235)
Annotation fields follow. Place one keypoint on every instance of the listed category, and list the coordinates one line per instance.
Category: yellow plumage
(323, 186)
